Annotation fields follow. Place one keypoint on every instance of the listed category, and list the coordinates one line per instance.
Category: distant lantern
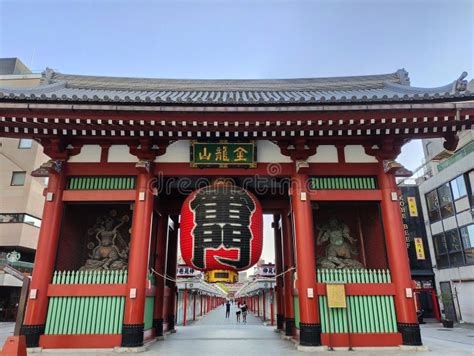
(221, 228)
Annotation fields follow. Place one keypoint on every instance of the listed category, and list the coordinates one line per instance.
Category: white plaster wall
(120, 153)
(89, 153)
(465, 218)
(462, 204)
(449, 223)
(356, 154)
(464, 292)
(324, 154)
(436, 228)
(454, 275)
(268, 152)
(9, 280)
(178, 151)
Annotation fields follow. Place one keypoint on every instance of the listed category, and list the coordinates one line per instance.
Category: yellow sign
(420, 251)
(412, 206)
(336, 294)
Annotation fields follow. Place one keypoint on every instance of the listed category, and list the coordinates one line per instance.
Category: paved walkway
(216, 335)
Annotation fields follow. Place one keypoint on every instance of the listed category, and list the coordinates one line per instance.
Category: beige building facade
(21, 195)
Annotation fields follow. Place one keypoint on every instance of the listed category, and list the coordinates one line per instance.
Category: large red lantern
(221, 228)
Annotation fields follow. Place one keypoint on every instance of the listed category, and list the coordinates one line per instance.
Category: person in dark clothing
(227, 309)
(244, 312)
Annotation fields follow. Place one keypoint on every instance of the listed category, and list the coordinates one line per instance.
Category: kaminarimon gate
(318, 154)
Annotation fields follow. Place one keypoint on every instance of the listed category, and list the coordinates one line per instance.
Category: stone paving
(216, 335)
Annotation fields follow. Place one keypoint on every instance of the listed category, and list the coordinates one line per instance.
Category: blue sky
(432, 39)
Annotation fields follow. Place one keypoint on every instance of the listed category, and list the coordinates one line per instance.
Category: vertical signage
(419, 249)
(412, 210)
(414, 228)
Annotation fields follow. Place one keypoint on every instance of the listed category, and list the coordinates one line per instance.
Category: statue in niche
(339, 249)
(111, 250)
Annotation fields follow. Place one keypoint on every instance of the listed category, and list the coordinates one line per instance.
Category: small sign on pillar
(336, 294)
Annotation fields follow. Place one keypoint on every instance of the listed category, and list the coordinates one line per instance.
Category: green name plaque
(223, 154)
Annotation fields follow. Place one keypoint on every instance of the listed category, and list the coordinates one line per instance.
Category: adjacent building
(418, 251)
(21, 195)
(448, 205)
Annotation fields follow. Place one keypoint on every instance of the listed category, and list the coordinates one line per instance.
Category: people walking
(227, 309)
(238, 312)
(244, 311)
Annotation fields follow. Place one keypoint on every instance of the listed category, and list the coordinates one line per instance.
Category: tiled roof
(394, 87)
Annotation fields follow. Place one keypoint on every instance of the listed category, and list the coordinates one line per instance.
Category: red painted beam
(99, 195)
(94, 341)
(361, 339)
(87, 290)
(100, 169)
(185, 169)
(362, 288)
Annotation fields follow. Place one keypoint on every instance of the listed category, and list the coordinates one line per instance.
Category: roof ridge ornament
(403, 77)
(461, 83)
(48, 75)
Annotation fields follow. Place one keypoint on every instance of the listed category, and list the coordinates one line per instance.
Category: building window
(471, 183)
(458, 186)
(25, 143)
(9, 218)
(433, 206)
(446, 205)
(18, 178)
(467, 235)
(441, 251)
(455, 250)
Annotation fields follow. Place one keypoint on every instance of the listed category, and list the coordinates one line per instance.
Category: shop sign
(223, 154)
(412, 210)
(420, 251)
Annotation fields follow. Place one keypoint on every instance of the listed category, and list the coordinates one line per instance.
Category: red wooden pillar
(185, 304)
(310, 327)
(132, 329)
(258, 304)
(35, 317)
(288, 262)
(272, 306)
(434, 300)
(280, 301)
(398, 259)
(202, 305)
(194, 306)
(171, 263)
(264, 305)
(160, 261)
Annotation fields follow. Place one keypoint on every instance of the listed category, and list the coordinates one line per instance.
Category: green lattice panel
(364, 314)
(343, 183)
(100, 183)
(86, 315)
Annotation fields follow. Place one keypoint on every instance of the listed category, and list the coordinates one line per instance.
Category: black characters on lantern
(222, 219)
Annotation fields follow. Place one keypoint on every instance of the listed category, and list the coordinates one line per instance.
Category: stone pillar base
(289, 324)
(310, 334)
(171, 323)
(32, 334)
(158, 326)
(132, 335)
(410, 334)
(280, 320)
